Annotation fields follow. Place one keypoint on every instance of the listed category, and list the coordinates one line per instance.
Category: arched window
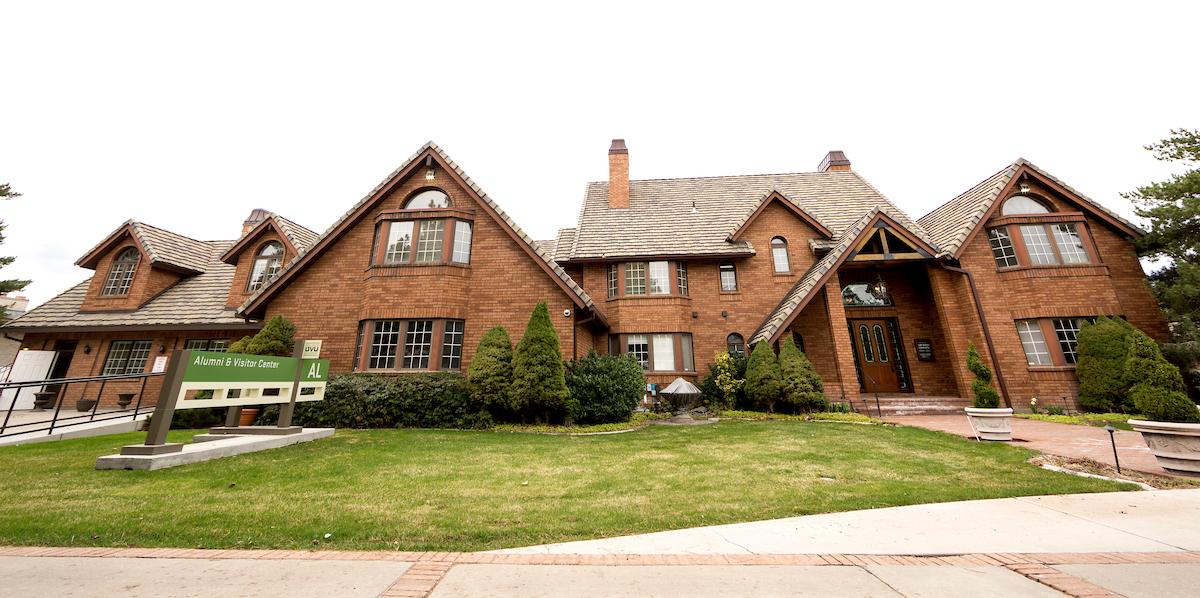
(728, 276)
(429, 199)
(736, 344)
(120, 274)
(862, 294)
(266, 266)
(799, 340)
(779, 255)
(1023, 204)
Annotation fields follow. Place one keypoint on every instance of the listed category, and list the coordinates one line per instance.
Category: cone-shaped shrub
(1157, 389)
(985, 395)
(1103, 348)
(538, 382)
(490, 376)
(764, 379)
(802, 385)
(276, 338)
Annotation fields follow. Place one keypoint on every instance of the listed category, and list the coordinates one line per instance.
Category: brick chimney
(834, 160)
(618, 175)
(258, 215)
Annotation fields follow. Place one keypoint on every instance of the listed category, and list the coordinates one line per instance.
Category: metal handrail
(62, 383)
(874, 387)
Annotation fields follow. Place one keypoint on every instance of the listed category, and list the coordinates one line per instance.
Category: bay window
(417, 344)
(645, 279)
(1039, 244)
(423, 241)
(663, 352)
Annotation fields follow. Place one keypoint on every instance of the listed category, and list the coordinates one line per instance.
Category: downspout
(575, 334)
(987, 336)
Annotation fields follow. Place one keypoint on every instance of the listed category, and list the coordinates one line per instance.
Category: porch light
(87, 349)
(879, 288)
(1024, 186)
(429, 174)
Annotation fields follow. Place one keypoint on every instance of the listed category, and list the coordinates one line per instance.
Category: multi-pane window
(1034, 343)
(418, 343)
(1065, 330)
(430, 239)
(635, 278)
(1037, 244)
(215, 345)
(681, 278)
(1070, 244)
(659, 278)
(120, 274)
(126, 357)
(639, 346)
(613, 274)
(383, 345)
(668, 352)
(358, 345)
(728, 276)
(399, 243)
(735, 344)
(779, 255)
(462, 242)
(1002, 248)
(452, 342)
(266, 265)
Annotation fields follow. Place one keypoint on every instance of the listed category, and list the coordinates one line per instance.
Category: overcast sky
(188, 116)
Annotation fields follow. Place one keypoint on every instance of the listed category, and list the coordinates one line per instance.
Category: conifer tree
(539, 384)
(764, 380)
(1102, 349)
(490, 376)
(985, 395)
(1157, 387)
(8, 286)
(802, 385)
(276, 338)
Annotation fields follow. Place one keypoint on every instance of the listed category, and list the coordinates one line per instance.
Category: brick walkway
(1065, 440)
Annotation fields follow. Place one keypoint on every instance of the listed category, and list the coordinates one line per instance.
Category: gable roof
(660, 222)
(163, 248)
(954, 222)
(768, 199)
(195, 302)
(428, 151)
(299, 237)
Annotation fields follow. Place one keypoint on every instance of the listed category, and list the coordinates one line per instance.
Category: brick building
(672, 270)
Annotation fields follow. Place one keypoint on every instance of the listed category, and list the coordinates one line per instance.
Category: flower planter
(1175, 445)
(992, 424)
(42, 400)
(248, 416)
(125, 398)
(85, 405)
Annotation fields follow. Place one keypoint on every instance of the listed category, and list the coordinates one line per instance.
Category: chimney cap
(618, 147)
(258, 215)
(834, 160)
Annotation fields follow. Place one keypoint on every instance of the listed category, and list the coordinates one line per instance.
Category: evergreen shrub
(539, 386)
(1102, 350)
(764, 379)
(725, 385)
(1156, 386)
(985, 397)
(604, 389)
(803, 387)
(276, 338)
(490, 377)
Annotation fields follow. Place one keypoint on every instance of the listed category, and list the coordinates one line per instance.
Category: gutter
(987, 335)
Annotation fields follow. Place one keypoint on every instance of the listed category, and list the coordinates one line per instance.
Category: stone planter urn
(1175, 445)
(42, 400)
(991, 424)
(85, 405)
(125, 398)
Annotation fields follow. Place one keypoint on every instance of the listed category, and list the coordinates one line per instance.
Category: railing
(62, 383)
(874, 387)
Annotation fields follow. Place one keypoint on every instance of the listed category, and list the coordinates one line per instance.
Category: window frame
(121, 272)
(679, 359)
(732, 269)
(441, 348)
(776, 249)
(446, 249)
(731, 347)
(131, 347)
(267, 262)
(1018, 244)
(1061, 351)
(206, 344)
(621, 276)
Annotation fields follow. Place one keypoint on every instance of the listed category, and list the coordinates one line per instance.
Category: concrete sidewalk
(1136, 544)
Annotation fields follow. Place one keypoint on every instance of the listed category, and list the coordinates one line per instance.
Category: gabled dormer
(268, 242)
(137, 262)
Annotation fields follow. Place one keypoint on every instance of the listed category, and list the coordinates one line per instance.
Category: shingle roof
(950, 224)
(163, 247)
(563, 244)
(520, 234)
(300, 237)
(194, 301)
(660, 221)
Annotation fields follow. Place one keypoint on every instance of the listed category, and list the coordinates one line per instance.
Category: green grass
(465, 491)
(1085, 419)
(820, 416)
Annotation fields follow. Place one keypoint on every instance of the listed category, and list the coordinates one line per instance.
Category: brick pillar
(843, 348)
(958, 322)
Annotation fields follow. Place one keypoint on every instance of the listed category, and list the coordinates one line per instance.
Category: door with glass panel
(876, 355)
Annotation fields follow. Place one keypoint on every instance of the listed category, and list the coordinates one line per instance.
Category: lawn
(466, 491)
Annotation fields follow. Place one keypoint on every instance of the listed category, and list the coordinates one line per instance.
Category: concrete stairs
(907, 404)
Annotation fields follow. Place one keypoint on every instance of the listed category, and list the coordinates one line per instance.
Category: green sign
(205, 366)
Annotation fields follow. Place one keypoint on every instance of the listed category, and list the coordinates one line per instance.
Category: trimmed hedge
(434, 400)
(605, 389)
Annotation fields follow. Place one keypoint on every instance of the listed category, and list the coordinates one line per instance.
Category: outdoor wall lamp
(429, 174)
(1024, 186)
(879, 287)
(87, 349)
(162, 348)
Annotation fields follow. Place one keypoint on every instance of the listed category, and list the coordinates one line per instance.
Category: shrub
(490, 377)
(764, 379)
(802, 385)
(1103, 348)
(725, 385)
(604, 389)
(985, 395)
(1157, 387)
(538, 383)
(276, 338)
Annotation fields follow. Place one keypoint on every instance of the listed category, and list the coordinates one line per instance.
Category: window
(641, 279)
(666, 352)
(266, 266)
(215, 345)
(1023, 204)
(859, 294)
(613, 274)
(1033, 334)
(681, 278)
(120, 274)
(126, 357)
(735, 344)
(428, 200)
(635, 278)
(430, 240)
(399, 243)
(410, 344)
(462, 242)
(780, 256)
(659, 278)
(1002, 248)
(1039, 244)
(799, 340)
(728, 277)
(424, 241)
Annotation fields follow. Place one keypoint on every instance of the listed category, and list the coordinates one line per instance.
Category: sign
(160, 364)
(312, 349)
(924, 349)
(233, 379)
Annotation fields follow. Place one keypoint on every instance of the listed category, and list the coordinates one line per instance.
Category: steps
(907, 404)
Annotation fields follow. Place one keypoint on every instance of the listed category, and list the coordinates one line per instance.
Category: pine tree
(764, 380)
(802, 385)
(276, 338)
(985, 395)
(490, 376)
(539, 384)
(1103, 348)
(8, 286)
(1157, 387)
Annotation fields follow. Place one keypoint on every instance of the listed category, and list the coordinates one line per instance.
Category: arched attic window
(779, 255)
(1023, 204)
(428, 200)
(266, 265)
(120, 274)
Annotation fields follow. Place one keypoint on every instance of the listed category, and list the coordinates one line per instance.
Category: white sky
(188, 116)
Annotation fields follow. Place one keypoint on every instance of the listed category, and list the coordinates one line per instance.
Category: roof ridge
(729, 176)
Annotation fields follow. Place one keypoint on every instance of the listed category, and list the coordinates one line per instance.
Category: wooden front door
(876, 356)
